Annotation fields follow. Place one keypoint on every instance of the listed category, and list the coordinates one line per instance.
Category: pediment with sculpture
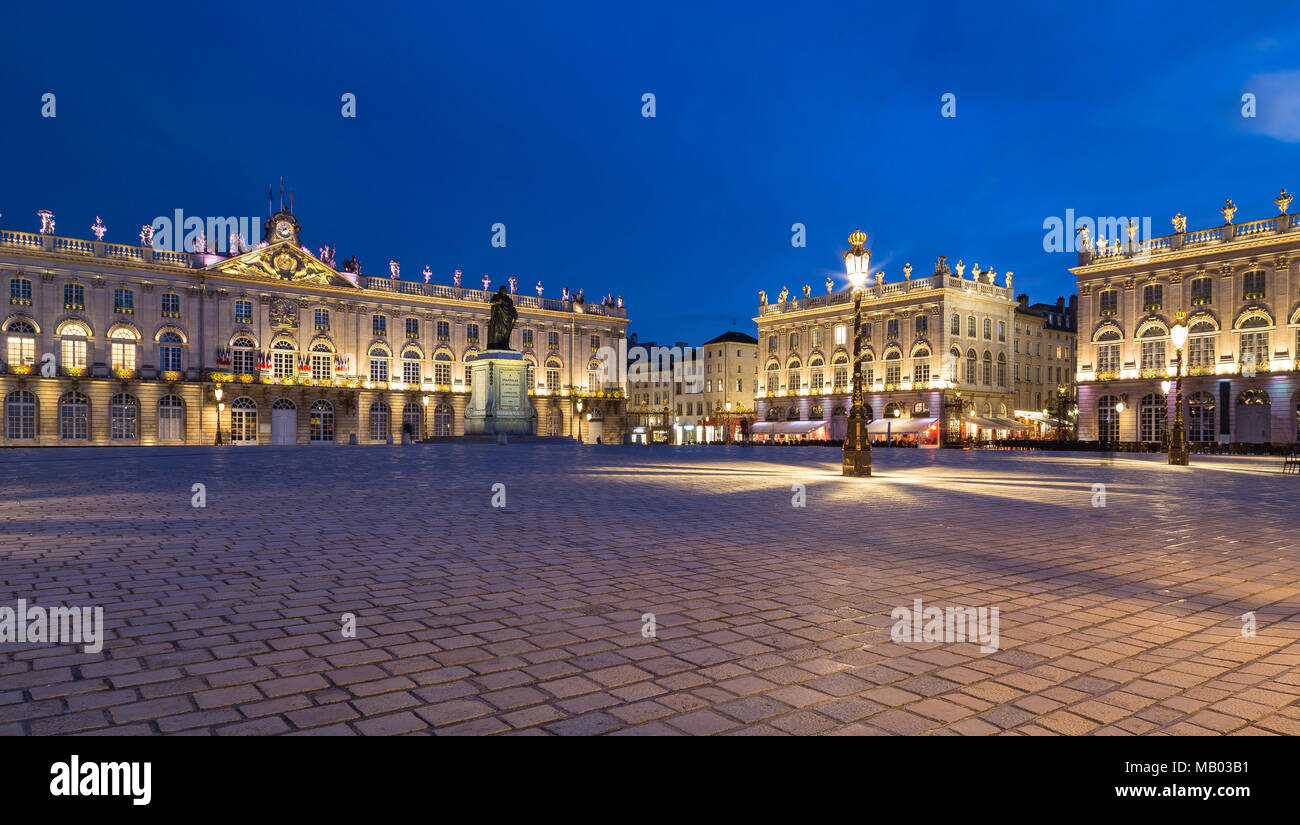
(282, 261)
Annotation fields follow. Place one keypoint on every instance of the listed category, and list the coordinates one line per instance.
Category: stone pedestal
(499, 400)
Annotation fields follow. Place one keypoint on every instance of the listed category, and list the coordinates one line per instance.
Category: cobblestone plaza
(768, 618)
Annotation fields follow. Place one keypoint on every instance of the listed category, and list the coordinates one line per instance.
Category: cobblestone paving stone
(771, 619)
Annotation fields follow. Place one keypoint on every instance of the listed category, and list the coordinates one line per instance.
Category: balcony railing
(1201, 237)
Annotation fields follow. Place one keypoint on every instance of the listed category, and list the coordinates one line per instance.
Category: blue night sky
(530, 114)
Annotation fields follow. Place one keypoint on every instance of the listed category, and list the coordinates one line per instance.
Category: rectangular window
(891, 328)
(1254, 349)
(20, 292)
(1252, 286)
(411, 371)
(378, 369)
(471, 333)
(243, 312)
(124, 302)
(553, 381)
(595, 343)
(921, 372)
(74, 296)
(1202, 292)
(379, 325)
(841, 335)
(74, 354)
(123, 355)
(1153, 355)
(444, 331)
(816, 338)
(22, 350)
(283, 363)
(171, 305)
(441, 373)
(527, 338)
(322, 367)
(955, 326)
(1200, 351)
(1153, 298)
(322, 317)
(412, 327)
(1108, 301)
(922, 324)
(553, 340)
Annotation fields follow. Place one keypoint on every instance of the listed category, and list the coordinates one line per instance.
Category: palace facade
(1238, 287)
(112, 344)
(939, 358)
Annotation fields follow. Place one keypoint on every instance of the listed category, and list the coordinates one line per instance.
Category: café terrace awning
(899, 426)
(788, 427)
(995, 423)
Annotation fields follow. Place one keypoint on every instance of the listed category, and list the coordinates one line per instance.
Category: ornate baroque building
(937, 359)
(1237, 284)
(116, 344)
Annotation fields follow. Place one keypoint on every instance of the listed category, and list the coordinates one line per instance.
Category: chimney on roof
(1060, 304)
(1023, 300)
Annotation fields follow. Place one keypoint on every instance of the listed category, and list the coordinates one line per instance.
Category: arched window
(893, 411)
(124, 417)
(792, 375)
(971, 360)
(322, 362)
(970, 326)
(840, 368)
(242, 361)
(954, 324)
(816, 382)
(122, 348)
(1200, 417)
(411, 372)
(893, 367)
(773, 376)
(413, 420)
(20, 415)
(171, 418)
(988, 329)
(792, 414)
(380, 428)
(1151, 417)
(954, 364)
(1002, 369)
(74, 417)
(169, 352)
(321, 421)
(442, 370)
(1107, 419)
(1200, 343)
(442, 415)
(987, 374)
(378, 364)
(73, 343)
(1153, 348)
(773, 413)
(22, 343)
(243, 421)
(553, 368)
(284, 360)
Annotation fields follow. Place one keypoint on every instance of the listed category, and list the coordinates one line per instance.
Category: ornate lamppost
(1165, 386)
(1060, 411)
(221, 407)
(579, 420)
(1178, 442)
(857, 446)
(424, 420)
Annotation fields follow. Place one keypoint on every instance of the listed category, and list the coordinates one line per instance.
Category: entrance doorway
(284, 422)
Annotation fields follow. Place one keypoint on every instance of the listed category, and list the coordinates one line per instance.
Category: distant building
(720, 395)
(1044, 354)
(107, 343)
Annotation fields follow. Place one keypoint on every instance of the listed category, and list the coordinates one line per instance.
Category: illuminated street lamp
(1178, 441)
(579, 420)
(424, 430)
(857, 447)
